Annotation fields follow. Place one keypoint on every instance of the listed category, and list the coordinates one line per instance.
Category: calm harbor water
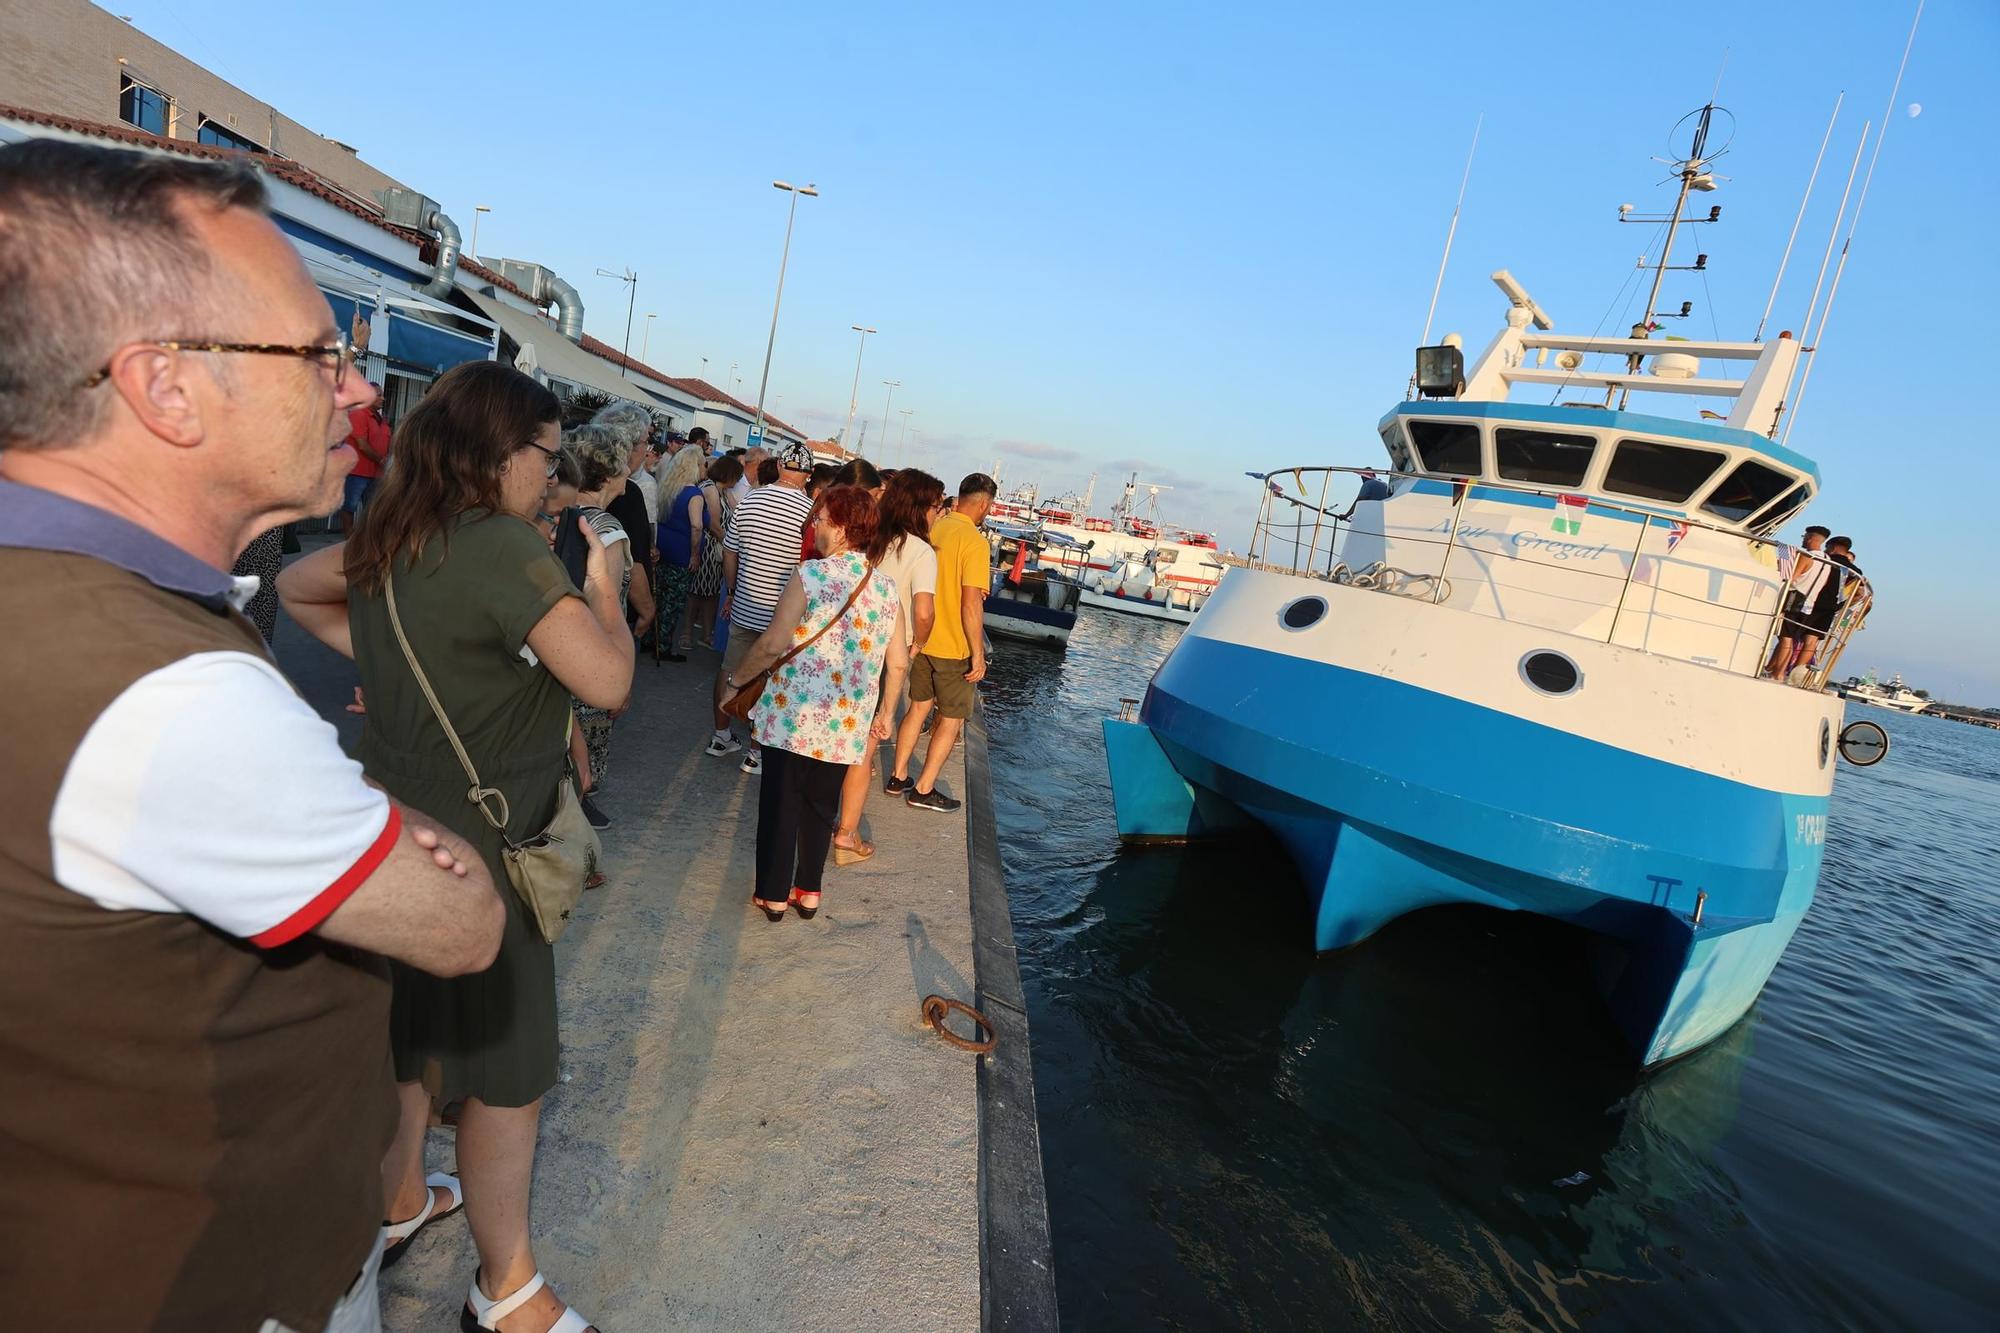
(1437, 1128)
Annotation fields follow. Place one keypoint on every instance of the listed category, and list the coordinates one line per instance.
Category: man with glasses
(194, 879)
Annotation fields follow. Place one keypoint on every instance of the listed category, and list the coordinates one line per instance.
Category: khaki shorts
(740, 642)
(942, 679)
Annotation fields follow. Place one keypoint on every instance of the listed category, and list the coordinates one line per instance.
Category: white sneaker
(721, 743)
(753, 763)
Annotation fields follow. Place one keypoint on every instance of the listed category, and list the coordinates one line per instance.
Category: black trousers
(798, 805)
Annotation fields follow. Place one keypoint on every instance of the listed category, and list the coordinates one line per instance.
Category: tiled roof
(688, 384)
(271, 164)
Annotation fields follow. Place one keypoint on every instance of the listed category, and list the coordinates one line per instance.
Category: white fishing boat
(1527, 672)
(1153, 583)
(1894, 695)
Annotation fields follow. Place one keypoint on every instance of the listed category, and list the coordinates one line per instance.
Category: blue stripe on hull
(1392, 798)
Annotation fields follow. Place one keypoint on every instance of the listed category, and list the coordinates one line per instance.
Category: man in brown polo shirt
(195, 1091)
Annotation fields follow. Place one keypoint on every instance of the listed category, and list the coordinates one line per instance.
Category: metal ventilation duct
(543, 288)
(407, 208)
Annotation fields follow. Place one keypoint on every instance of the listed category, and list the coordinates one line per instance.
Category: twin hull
(1405, 758)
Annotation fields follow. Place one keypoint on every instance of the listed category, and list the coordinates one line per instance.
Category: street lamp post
(784, 257)
(854, 394)
(477, 209)
(887, 398)
(646, 339)
(631, 281)
(904, 434)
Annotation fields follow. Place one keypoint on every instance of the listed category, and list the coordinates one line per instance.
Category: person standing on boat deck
(910, 502)
(505, 639)
(954, 659)
(195, 882)
(1802, 586)
(759, 554)
(836, 649)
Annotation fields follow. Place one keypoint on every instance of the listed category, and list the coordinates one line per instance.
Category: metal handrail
(1854, 605)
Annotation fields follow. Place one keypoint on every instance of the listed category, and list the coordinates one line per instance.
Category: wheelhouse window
(1655, 471)
(216, 136)
(1541, 457)
(1399, 453)
(141, 106)
(1784, 509)
(1746, 490)
(1450, 447)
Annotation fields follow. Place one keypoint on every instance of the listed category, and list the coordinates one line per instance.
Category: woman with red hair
(831, 642)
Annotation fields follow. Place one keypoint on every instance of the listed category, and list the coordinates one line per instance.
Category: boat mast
(1450, 234)
(1693, 169)
(1786, 259)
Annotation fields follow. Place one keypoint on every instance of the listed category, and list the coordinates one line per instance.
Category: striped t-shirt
(764, 533)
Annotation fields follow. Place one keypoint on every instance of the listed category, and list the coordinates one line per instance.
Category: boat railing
(1309, 538)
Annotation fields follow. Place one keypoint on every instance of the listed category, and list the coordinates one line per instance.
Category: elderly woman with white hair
(600, 459)
(632, 427)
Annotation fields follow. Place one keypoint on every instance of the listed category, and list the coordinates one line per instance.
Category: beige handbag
(549, 870)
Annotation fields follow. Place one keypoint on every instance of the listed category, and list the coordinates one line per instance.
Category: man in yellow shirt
(954, 658)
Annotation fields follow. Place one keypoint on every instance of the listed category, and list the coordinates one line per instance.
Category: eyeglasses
(341, 350)
(555, 455)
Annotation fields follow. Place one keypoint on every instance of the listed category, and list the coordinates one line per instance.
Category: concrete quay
(755, 1128)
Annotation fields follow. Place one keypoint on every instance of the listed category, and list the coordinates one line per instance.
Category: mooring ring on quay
(937, 1008)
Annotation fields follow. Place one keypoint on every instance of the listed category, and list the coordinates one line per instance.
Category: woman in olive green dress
(506, 640)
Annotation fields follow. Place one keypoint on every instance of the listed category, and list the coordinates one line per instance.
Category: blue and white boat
(1531, 676)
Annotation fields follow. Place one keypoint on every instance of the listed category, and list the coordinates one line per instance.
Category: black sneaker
(931, 800)
(597, 818)
(895, 786)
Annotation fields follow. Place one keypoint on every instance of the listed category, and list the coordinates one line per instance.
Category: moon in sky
(1916, 109)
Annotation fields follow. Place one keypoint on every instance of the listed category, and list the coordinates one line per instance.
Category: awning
(557, 357)
(418, 344)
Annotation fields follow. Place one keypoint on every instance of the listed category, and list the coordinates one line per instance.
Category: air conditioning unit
(406, 208)
(530, 278)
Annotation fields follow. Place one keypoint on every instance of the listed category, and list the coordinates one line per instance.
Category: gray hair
(629, 422)
(95, 254)
(600, 454)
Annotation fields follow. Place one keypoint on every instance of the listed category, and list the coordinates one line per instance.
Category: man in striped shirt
(759, 555)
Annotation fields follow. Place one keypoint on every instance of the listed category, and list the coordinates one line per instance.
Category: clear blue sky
(1192, 239)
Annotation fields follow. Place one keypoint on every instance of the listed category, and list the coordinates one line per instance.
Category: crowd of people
(277, 961)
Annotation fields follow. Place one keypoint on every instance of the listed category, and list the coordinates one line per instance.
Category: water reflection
(1440, 1127)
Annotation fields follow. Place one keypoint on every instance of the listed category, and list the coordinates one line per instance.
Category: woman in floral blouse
(818, 708)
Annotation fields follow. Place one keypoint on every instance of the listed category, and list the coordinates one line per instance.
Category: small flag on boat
(1569, 514)
(1675, 531)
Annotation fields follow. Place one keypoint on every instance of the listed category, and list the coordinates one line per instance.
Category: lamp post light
(811, 191)
(903, 434)
(887, 398)
(646, 339)
(631, 281)
(854, 394)
(477, 209)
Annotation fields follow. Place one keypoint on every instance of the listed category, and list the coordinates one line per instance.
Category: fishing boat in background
(1027, 602)
(1524, 671)
(1894, 695)
(1153, 583)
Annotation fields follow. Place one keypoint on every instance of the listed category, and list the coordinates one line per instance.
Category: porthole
(1825, 741)
(1303, 613)
(1551, 673)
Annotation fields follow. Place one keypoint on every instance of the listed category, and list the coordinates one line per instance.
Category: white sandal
(482, 1313)
(396, 1236)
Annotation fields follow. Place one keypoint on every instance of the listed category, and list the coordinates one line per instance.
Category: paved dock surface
(755, 1130)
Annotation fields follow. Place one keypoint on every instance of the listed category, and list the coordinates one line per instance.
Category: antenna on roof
(1786, 258)
(1450, 234)
(1812, 345)
(1693, 169)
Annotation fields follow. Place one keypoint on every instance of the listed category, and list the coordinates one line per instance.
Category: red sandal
(798, 900)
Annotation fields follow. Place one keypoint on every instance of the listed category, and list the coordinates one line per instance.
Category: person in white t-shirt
(909, 503)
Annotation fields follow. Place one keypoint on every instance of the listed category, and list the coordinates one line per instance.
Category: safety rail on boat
(1311, 540)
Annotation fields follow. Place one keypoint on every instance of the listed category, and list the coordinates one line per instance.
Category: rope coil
(937, 1008)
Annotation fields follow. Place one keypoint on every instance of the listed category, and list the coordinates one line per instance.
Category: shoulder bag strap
(838, 616)
(476, 794)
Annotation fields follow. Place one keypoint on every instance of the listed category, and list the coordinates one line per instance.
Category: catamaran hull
(1384, 751)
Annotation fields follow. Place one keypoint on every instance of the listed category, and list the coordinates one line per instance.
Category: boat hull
(1401, 784)
(1028, 622)
(1139, 606)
